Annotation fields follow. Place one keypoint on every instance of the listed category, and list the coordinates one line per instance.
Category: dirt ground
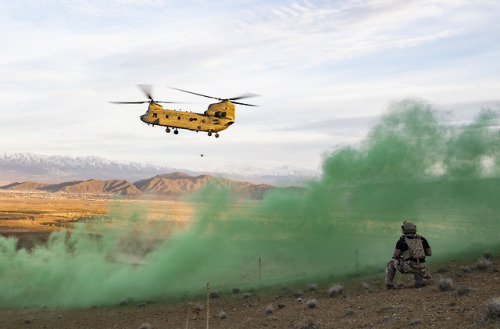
(363, 302)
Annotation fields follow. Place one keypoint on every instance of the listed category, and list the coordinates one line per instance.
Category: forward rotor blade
(146, 89)
(130, 102)
(239, 103)
(190, 92)
(144, 102)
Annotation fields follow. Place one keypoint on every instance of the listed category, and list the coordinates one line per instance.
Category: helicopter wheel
(167, 130)
(176, 131)
(209, 133)
(216, 135)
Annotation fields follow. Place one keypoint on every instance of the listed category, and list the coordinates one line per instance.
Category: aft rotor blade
(190, 92)
(146, 89)
(247, 95)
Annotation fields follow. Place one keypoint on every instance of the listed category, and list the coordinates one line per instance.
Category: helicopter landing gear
(176, 131)
(216, 135)
(167, 130)
(209, 133)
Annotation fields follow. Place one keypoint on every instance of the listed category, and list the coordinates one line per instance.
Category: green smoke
(413, 165)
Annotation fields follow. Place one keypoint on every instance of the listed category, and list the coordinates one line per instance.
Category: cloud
(316, 64)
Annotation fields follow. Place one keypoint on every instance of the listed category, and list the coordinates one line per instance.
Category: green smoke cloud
(413, 165)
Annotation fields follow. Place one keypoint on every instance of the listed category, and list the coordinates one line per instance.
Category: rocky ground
(457, 297)
(462, 293)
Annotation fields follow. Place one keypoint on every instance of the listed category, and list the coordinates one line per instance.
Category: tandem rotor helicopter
(217, 117)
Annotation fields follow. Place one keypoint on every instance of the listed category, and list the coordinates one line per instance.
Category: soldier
(409, 256)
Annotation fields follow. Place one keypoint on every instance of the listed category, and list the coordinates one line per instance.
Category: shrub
(445, 284)
(309, 324)
(246, 295)
(462, 290)
(298, 293)
(488, 254)
(215, 294)
(335, 290)
(236, 290)
(312, 303)
(313, 287)
(145, 326)
(493, 309)
(222, 315)
(269, 309)
(483, 264)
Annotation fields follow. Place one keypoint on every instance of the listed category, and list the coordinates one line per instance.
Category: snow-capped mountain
(43, 168)
(55, 168)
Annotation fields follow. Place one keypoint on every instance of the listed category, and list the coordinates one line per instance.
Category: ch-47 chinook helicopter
(217, 117)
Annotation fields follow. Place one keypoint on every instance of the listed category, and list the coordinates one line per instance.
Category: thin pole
(356, 261)
(189, 312)
(260, 271)
(208, 302)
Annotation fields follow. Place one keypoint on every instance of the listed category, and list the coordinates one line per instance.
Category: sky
(325, 71)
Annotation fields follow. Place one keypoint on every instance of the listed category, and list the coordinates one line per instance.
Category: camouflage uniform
(412, 260)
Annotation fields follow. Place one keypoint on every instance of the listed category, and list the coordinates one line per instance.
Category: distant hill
(49, 169)
(173, 186)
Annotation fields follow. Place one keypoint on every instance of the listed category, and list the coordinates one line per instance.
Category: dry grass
(445, 284)
(483, 264)
(463, 290)
(493, 309)
(312, 303)
(335, 290)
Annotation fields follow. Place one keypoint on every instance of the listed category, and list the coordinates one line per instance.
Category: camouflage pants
(404, 267)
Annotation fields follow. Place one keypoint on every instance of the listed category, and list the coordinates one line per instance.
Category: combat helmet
(409, 228)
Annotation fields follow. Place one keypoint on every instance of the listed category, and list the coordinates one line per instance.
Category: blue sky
(324, 70)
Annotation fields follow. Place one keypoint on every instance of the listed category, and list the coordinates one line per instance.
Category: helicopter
(217, 117)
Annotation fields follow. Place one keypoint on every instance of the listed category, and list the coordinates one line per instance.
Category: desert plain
(458, 296)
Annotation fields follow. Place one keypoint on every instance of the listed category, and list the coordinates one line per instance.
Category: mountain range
(56, 168)
(170, 186)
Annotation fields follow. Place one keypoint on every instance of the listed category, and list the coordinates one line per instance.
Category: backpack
(415, 248)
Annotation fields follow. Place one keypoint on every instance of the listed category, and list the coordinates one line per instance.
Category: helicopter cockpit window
(220, 114)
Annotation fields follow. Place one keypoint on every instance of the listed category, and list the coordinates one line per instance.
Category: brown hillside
(58, 187)
(24, 186)
(177, 184)
(98, 186)
(172, 185)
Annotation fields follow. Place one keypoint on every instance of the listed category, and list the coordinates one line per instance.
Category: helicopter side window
(155, 115)
(166, 116)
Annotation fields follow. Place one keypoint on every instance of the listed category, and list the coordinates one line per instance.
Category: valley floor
(363, 303)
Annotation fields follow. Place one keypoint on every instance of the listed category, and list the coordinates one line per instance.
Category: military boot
(418, 280)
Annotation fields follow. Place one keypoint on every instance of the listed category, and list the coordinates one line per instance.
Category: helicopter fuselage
(217, 117)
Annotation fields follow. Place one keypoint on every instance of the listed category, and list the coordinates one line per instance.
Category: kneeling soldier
(409, 256)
